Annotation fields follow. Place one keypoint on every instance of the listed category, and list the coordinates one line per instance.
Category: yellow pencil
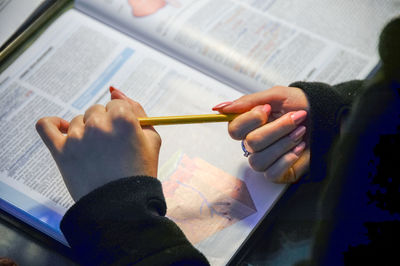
(185, 119)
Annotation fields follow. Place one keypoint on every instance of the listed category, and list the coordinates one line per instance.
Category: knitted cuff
(123, 223)
(325, 106)
(142, 193)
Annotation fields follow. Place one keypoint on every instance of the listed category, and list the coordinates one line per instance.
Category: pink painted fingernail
(220, 106)
(298, 133)
(299, 116)
(299, 148)
(267, 108)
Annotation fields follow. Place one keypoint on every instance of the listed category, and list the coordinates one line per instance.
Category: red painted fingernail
(298, 133)
(220, 106)
(299, 148)
(114, 90)
(299, 116)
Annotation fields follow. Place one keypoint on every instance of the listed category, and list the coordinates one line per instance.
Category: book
(17, 15)
(176, 57)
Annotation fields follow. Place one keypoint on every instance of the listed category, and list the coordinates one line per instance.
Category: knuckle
(76, 118)
(289, 121)
(234, 131)
(253, 139)
(41, 122)
(255, 164)
(93, 108)
(97, 106)
(75, 133)
(94, 121)
(120, 111)
(259, 116)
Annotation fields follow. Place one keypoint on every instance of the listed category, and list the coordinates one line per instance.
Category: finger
(301, 166)
(52, 130)
(76, 127)
(119, 95)
(280, 98)
(260, 161)
(118, 108)
(282, 170)
(94, 109)
(249, 121)
(138, 111)
(247, 102)
(264, 136)
(136, 107)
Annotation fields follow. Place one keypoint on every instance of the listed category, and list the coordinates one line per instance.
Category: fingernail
(220, 106)
(298, 133)
(299, 116)
(267, 108)
(112, 89)
(299, 148)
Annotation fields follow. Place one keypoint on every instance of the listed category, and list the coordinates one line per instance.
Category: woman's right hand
(103, 145)
(272, 127)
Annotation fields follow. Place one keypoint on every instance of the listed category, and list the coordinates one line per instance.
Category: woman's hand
(104, 144)
(272, 126)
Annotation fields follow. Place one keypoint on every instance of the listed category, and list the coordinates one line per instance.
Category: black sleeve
(123, 223)
(328, 105)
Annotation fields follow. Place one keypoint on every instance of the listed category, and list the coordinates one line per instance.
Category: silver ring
(246, 152)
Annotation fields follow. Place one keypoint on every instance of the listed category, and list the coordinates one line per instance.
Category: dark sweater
(123, 222)
(359, 212)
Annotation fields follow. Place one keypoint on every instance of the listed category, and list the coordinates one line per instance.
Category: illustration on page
(201, 198)
(142, 8)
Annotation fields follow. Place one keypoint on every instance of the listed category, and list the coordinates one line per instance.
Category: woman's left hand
(272, 128)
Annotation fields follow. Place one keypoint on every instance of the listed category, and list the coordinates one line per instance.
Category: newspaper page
(253, 44)
(210, 190)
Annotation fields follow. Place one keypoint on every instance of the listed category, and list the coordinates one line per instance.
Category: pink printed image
(142, 8)
(203, 199)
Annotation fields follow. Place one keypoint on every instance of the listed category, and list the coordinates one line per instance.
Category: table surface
(26, 249)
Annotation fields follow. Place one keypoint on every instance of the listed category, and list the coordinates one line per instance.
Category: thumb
(52, 130)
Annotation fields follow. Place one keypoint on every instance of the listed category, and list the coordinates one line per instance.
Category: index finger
(136, 107)
(247, 102)
(52, 130)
